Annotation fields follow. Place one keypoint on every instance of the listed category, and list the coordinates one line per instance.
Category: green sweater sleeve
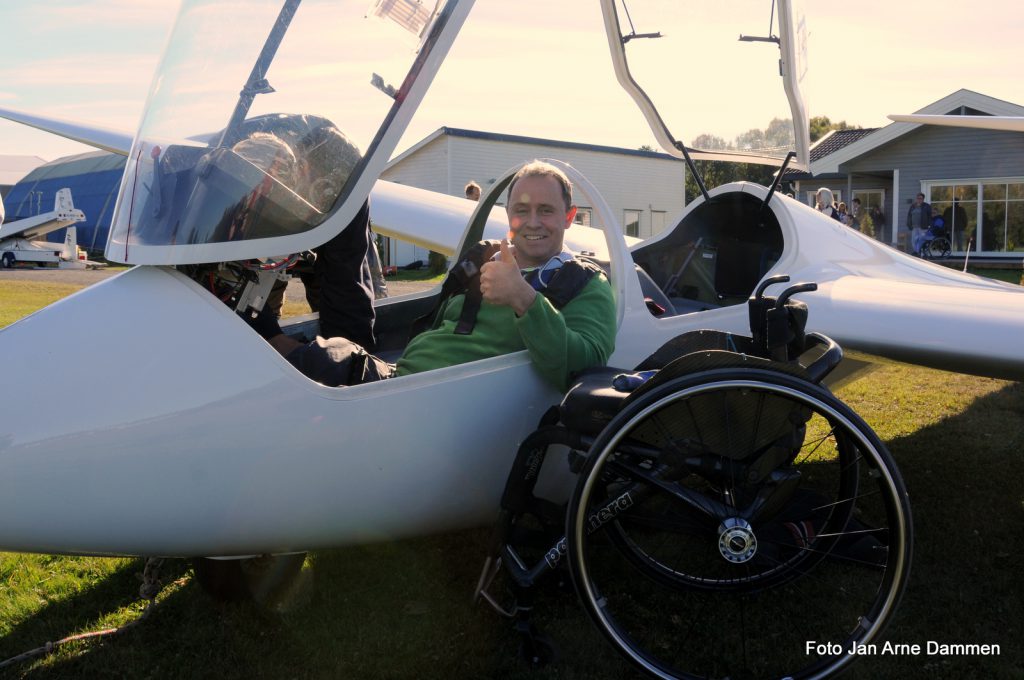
(579, 336)
(560, 343)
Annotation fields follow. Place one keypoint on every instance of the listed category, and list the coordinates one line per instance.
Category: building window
(584, 216)
(870, 198)
(872, 203)
(997, 205)
(631, 220)
(658, 218)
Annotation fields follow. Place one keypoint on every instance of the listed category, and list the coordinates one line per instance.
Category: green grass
(21, 298)
(403, 609)
(1008, 275)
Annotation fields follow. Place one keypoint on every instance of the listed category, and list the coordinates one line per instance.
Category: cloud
(77, 71)
(110, 14)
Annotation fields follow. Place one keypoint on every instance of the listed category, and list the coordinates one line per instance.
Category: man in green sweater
(515, 313)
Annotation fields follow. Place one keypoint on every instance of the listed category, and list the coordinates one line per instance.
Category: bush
(437, 263)
(867, 226)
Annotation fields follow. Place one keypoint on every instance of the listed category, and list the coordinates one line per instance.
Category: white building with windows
(643, 188)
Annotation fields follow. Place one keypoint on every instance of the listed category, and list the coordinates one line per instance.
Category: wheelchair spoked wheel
(761, 512)
(939, 247)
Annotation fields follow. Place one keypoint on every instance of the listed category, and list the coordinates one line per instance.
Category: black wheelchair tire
(598, 600)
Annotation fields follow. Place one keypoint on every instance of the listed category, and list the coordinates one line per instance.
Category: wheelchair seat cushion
(593, 401)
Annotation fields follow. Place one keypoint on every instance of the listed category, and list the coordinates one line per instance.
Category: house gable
(961, 102)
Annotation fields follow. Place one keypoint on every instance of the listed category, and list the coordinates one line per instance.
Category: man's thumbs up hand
(501, 282)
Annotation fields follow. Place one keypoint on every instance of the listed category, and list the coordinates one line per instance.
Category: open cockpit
(714, 257)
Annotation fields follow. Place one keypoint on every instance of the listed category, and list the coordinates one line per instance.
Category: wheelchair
(935, 245)
(730, 516)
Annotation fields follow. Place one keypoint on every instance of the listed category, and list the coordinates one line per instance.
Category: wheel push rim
(740, 538)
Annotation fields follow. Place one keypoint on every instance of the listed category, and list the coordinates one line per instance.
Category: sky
(541, 68)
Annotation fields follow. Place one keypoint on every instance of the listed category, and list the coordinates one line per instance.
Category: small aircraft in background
(213, 445)
(20, 240)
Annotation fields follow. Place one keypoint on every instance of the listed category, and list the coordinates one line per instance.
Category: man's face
(473, 194)
(538, 218)
(919, 199)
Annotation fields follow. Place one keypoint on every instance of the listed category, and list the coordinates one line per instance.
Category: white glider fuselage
(182, 433)
(208, 442)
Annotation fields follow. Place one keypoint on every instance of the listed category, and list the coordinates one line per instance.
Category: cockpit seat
(654, 294)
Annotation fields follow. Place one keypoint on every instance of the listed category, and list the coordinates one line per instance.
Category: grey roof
(519, 139)
(961, 100)
(836, 140)
(833, 141)
(501, 137)
(78, 164)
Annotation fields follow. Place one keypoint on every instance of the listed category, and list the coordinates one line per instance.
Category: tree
(709, 142)
(437, 263)
(821, 125)
(867, 226)
(751, 140)
(778, 134)
(717, 173)
(646, 147)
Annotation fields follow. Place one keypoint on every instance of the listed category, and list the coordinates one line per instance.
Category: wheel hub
(736, 540)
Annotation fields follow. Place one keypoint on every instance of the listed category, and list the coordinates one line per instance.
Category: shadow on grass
(85, 611)
(404, 610)
(965, 477)
(392, 610)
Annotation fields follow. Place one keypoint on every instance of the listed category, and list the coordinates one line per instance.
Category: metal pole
(257, 82)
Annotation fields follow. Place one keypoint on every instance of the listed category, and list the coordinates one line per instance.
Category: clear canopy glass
(723, 77)
(268, 121)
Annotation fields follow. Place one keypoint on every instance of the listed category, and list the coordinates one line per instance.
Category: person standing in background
(825, 203)
(955, 218)
(919, 219)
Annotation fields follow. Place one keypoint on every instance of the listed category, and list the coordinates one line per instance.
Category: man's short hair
(538, 168)
(472, 185)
